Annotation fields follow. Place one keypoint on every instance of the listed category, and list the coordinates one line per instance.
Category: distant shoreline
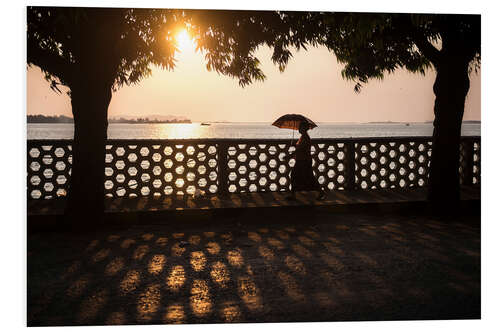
(41, 119)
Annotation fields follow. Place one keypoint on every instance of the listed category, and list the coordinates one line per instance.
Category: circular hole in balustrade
(212, 163)
(179, 170)
(202, 182)
(145, 177)
(252, 164)
(179, 183)
(156, 170)
(168, 151)
(156, 157)
(61, 180)
(119, 151)
(120, 178)
(132, 171)
(120, 165)
(168, 177)
(168, 190)
(34, 152)
(190, 189)
(202, 169)
(35, 166)
(190, 176)
(48, 173)
(252, 188)
(108, 184)
(157, 183)
(108, 171)
(262, 157)
(252, 175)
(232, 188)
(36, 194)
(48, 187)
(179, 157)
(59, 152)
(47, 159)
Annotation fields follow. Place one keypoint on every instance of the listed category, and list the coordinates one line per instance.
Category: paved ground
(252, 200)
(304, 265)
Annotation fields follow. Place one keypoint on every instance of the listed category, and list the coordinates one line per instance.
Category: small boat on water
(205, 124)
(407, 124)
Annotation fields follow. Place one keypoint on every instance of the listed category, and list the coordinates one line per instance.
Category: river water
(245, 130)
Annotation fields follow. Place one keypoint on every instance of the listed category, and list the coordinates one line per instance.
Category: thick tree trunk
(90, 99)
(451, 87)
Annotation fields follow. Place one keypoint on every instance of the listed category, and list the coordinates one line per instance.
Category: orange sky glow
(311, 85)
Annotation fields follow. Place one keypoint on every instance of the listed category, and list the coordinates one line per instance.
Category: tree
(373, 44)
(94, 51)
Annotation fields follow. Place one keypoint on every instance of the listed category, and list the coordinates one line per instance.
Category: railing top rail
(245, 140)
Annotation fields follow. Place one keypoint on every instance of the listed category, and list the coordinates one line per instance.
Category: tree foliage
(373, 44)
(138, 38)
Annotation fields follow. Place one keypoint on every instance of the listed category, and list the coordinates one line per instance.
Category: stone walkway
(309, 265)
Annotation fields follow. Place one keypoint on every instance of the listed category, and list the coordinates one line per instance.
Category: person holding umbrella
(302, 176)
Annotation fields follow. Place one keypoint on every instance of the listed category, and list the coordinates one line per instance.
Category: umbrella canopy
(292, 121)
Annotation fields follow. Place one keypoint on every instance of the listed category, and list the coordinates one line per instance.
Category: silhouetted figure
(302, 175)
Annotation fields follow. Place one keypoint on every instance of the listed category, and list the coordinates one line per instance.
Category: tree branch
(49, 62)
(427, 49)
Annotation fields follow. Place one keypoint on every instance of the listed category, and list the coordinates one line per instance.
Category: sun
(184, 40)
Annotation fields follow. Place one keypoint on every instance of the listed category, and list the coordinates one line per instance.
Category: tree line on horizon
(61, 119)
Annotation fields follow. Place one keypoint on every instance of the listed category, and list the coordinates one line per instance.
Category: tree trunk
(90, 99)
(451, 87)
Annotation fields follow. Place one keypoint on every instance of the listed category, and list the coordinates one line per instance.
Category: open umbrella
(292, 121)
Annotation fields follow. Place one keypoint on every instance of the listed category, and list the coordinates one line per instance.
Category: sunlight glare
(184, 41)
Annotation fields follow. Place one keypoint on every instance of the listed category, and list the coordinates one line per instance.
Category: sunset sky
(311, 85)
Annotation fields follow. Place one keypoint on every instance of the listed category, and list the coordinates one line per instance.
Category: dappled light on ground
(353, 269)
